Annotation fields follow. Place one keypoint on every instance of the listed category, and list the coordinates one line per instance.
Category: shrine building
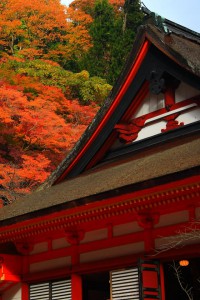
(121, 214)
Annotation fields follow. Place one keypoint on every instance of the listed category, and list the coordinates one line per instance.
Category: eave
(161, 199)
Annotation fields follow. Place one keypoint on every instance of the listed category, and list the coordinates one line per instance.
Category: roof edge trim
(140, 57)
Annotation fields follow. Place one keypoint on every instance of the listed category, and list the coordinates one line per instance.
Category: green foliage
(102, 30)
(47, 73)
(96, 89)
(75, 85)
(127, 25)
(113, 35)
(132, 20)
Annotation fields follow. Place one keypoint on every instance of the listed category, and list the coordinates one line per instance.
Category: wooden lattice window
(125, 284)
(54, 290)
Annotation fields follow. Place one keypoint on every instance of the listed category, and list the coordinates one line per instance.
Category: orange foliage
(81, 114)
(117, 3)
(20, 178)
(32, 28)
(38, 124)
(38, 127)
(78, 35)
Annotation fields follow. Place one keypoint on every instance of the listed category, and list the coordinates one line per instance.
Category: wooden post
(162, 282)
(25, 291)
(76, 287)
(169, 97)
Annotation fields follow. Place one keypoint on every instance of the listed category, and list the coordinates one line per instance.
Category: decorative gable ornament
(161, 110)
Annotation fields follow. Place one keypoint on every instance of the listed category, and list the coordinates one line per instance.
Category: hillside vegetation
(57, 65)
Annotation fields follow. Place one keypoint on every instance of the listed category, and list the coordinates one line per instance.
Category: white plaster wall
(60, 243)
(169, 242)
(190, 116)
(40, 247)
(185, 91)
(50, 264)
(149, 104)
(150, 130)
(173, 218)
(126, 228)
(197, 213)
(56, 244)
(112, 252)
(94, 235)
(14, 293)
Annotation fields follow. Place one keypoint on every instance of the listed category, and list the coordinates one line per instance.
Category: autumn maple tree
(37, 28)
(38, 127)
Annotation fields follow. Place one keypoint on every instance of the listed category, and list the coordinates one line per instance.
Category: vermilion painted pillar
(162, 282)
(25, 291)
(149, 242)
(76, 287)
(25, 270)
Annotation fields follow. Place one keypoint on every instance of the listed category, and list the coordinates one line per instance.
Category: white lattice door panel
(125, 284)
(57, 290)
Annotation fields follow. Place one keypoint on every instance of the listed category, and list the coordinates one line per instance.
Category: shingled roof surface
(163, 162)
(178, 47)
(182, 46)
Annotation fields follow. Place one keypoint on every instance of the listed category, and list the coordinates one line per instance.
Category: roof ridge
(169, 26)
(183, 29)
